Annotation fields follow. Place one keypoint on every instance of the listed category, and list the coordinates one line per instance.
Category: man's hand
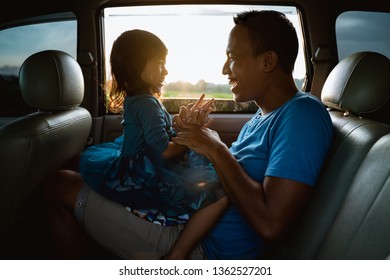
(198, 138)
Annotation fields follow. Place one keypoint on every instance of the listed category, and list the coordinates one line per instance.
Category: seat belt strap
(321, 61)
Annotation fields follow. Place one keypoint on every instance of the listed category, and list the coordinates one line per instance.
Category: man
(269, 172)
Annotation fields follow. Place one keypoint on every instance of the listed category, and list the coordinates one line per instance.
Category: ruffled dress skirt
(150, 184)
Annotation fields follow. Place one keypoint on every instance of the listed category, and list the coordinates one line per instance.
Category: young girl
(143, 169)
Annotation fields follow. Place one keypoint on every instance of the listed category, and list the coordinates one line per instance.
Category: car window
(196, 37)
(363, 31)
(19, 42)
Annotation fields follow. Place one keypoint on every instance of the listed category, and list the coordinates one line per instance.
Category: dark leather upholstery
(35, 145)
(348, 215)
(360, 85)
(361, 227)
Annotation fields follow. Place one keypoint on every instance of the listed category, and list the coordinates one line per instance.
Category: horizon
(16, 47)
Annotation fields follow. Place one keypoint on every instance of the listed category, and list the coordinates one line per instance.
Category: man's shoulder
(306, 101)
(308, 97)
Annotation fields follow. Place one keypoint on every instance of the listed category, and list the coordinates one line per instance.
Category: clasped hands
(192, 126)
(197, 114)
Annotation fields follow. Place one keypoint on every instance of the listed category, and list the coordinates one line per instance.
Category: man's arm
(270, 207)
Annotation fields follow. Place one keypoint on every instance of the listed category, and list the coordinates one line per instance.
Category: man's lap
(122, 232)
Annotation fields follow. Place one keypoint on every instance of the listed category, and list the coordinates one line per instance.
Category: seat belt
(88, 66)
(321, 61)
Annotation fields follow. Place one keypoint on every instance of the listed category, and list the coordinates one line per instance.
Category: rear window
(196, 37)
(17, 43)
(363, 31)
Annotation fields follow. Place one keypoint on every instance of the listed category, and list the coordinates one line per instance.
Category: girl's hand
(197, 113)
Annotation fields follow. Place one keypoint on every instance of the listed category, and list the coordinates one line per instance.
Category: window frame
(173, 104)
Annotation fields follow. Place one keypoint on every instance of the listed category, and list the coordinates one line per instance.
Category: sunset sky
(195, 36)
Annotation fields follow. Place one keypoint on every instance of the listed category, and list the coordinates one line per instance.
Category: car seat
(33, 146)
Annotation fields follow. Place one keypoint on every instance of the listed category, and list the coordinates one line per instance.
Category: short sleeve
(300, 142)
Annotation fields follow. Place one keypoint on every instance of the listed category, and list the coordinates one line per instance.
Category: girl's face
(154, 74)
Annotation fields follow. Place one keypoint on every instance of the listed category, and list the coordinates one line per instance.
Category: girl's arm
(173, 150)
(197, 227)
(204, 219)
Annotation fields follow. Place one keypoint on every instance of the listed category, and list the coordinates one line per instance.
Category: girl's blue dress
(132, 171)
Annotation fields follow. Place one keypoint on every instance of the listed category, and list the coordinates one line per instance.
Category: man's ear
(270, 61)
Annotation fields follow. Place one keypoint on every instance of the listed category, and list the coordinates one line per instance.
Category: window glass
(17, 44)
(363, 31)
(196, 37)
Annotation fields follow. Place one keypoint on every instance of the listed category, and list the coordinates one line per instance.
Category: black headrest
(360, 84)
(51, 80)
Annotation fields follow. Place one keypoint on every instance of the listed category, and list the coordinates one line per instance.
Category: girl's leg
(197, 228)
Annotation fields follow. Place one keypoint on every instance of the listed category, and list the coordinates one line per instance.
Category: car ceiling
(14, 10)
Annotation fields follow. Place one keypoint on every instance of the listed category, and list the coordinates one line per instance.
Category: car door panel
(227, 125)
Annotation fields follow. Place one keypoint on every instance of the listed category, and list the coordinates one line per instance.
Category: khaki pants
(124, 233)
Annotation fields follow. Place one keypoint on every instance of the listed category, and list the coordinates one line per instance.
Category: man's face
(244, 70)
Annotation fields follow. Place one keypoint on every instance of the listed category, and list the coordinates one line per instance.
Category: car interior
(61, 111)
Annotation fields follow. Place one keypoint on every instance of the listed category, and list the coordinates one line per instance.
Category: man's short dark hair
(271, 31)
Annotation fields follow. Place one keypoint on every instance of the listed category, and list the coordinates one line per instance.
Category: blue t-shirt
(291, 142)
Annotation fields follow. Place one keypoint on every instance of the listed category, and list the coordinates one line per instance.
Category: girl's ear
(270, 61)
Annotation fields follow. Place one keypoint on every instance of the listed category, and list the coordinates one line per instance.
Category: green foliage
(221, 105)
(181, 93)
(196, 94)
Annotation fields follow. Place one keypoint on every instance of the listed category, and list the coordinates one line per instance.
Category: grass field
(196, 95)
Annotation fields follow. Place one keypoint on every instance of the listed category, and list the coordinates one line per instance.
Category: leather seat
(355, 179)
(35, 145)
(360, 85)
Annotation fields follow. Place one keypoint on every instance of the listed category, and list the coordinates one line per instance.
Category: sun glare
(195, 36)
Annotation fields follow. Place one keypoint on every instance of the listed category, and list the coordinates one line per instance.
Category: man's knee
(62, 188)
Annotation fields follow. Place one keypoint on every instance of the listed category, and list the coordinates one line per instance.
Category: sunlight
(195, 36)
(201, 58)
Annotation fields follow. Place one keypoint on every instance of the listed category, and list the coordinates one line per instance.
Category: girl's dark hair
(129, 55)
(271, 31)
